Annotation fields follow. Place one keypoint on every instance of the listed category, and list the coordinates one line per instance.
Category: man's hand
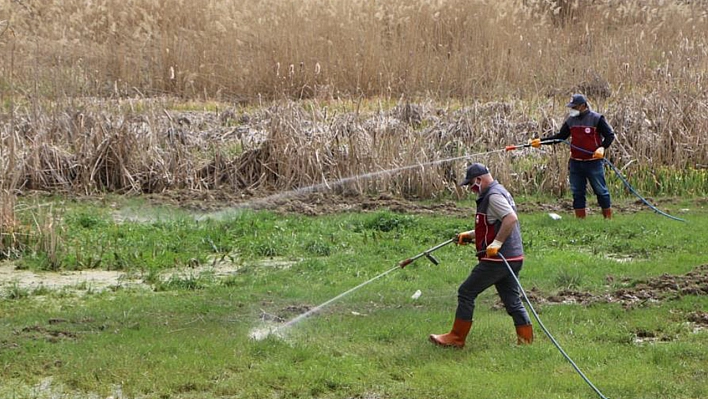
(493, 248)
(599, 153)
(465, 237)
(535, 143)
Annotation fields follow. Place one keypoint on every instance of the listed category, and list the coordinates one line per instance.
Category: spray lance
(529, 144)
(536, 142)
(462, 239)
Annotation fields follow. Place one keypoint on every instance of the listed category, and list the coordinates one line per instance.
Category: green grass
(189, 337)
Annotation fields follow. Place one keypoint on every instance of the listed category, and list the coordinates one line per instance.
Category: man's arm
(608, 135)
(500, 209)
(563, 134)
(507, 225)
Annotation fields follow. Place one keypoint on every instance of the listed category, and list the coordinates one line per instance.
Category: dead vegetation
(85, 109)
(411, 150)
(11, 231)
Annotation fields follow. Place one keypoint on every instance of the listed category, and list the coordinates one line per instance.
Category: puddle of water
(95, 279)
(47, 388)
(99, 280)
(620, 258)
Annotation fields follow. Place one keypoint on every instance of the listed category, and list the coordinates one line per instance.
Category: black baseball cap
(473, 171)
(575, 100)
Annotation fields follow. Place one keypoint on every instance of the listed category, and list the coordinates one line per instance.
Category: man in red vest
(590, 135)
(496, 231)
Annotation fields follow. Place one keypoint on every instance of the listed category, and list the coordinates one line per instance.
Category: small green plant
(566, 279)
(153, 276)
(85, 219)
(267, 249)
(190, 282)
(388, 221)
(16, 292)
(41, 290)
(318, 247)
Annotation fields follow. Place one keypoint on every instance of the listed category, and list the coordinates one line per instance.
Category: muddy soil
(635, 293)
(639, 293)
(319, 203)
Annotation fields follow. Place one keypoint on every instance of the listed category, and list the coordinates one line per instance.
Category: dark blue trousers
(582, 172)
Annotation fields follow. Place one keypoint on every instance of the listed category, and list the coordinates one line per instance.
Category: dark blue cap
(577, 99)
(473, 171)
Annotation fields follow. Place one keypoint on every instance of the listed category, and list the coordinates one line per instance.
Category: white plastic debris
(416, 295)
(554, 216)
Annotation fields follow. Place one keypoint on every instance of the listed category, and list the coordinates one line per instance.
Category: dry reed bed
(242, 51)
(294, 145)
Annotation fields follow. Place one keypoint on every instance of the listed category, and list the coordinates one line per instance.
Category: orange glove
(535, 143)
(465, 237)
(599, 153)
(493, 248)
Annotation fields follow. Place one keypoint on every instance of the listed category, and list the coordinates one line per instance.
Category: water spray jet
(264, 333)
(220, 215)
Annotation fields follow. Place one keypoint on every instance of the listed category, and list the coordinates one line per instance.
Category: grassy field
(119, 119)
(190, 336)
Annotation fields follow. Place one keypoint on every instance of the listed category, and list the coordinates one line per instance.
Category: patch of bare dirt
(637, 293)
(41, 333)
(284, 314)
(324, 203)
(699, 319)
(311, 204)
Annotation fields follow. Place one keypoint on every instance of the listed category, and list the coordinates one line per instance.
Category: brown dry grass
(454, 77)
(242, 51)
(414, 150)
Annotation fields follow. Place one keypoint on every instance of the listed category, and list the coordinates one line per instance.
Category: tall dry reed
(418, 150)
(246, 50)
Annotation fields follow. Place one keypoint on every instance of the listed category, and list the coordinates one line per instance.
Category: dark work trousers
(483, 276)
(582, 172)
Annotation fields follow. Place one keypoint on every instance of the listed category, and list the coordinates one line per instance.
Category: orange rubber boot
(607, 213)
(456, 337)
(524, 334)
(580, 213)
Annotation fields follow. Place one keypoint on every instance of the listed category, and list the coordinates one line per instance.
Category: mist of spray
(264, 333)
(329, 185)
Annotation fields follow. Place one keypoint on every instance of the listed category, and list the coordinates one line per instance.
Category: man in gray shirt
(496, 231)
